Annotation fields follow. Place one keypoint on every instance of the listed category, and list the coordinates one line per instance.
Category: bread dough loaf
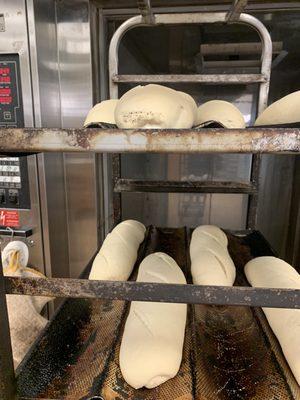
(211, 263)
(152, 343)
(275, 273)
(118, 253)
(155, 106)
(220, 111)
(283, 111)
(102, 112)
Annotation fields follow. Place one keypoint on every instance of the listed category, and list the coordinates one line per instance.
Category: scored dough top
(151, 270)
(213, 232)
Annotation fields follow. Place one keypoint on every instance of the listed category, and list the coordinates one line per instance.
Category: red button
(4, 79)
(4, 71)
(5, 100)
(5, 91)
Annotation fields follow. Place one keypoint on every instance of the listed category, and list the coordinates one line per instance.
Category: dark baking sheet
(230, 352)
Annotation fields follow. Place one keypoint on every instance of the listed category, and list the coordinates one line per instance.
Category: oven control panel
(14, 187)
(14, 191)
(11, 106)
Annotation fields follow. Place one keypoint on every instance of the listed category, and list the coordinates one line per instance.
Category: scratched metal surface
(219, 140)
(230, 353)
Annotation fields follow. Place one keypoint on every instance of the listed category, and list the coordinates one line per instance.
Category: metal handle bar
(197, 18)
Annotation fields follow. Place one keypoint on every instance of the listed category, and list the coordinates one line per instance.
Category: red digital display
(4, 79)
(4, 71)
(5, 100)
(5, 91)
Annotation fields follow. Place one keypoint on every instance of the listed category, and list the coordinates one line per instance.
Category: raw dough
(152, 343)
(118, 253)
(211, 263)
(155, 106)
(102, 112)
(220, 111)
(275, 273)
(283, 111)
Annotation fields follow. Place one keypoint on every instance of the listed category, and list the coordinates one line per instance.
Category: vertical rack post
(7, 375)
(253, 198)
(117, 200)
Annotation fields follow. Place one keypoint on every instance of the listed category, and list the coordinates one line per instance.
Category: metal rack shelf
(251, 140)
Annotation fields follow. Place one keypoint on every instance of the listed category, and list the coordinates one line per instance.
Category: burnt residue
(233, 351)
(56, 350)
(138, 186)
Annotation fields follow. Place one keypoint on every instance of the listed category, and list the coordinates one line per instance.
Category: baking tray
(229, 352)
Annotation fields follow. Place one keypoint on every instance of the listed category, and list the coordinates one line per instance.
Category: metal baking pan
(230, 352)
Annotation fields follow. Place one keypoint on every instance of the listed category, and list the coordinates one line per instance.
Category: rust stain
(262, 140)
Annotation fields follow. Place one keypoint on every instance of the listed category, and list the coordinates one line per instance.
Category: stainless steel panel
(275, 198)
(44, 62)
(75, 68)
(175, 210)
(81, 202)
(60, 46)
(54, 214)
(76, 94)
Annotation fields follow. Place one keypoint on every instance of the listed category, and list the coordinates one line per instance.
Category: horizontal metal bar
(254, 140)
(119, 13)
(132, 185)
(18, 232)
(212, 79)
(232, 64)
(247, 48)
(158, 292)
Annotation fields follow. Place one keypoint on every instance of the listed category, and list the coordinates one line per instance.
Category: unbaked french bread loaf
(284, 111)
(155, 106)
(273, 272)
(102, 112)
(118, 253)
(211, 263)
(220, 111)
(152, 343)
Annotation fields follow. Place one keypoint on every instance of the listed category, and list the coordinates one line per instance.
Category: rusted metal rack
(257, 141)
(234, 15)
(252, 141)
